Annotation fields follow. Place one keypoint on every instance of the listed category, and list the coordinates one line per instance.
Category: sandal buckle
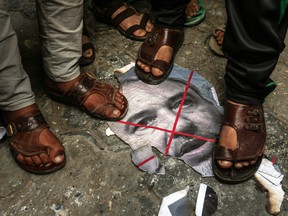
(152, 38)
(11, 130)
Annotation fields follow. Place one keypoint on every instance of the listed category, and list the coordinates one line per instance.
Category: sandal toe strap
(124, 15)
(87, 46)
(136, 27)
(222, 153)
(161, 65)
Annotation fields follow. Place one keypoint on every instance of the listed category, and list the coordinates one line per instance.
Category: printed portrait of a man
(179, 117)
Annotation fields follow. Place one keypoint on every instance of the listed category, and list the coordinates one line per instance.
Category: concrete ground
(99, 178)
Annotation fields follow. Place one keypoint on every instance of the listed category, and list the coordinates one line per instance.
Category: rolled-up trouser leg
(60, 27)
(15, 88)
(169, 13)
(253, 40)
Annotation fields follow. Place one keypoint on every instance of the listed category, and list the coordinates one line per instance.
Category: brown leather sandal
(157, 38)
(82, 89)
(104, 15)
(84, 61)
(249, 123)
(24, 139)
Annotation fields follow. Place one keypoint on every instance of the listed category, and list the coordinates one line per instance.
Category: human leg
(60, 25)
(156, 55)
(34, 147)
(251, 60)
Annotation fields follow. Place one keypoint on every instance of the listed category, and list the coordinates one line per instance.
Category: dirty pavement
(99, 177)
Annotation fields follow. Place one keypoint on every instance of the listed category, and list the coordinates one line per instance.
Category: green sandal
(197, 18)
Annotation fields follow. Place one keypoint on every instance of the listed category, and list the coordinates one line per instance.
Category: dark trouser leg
(107, 3)
(253, 41)
(169, 13)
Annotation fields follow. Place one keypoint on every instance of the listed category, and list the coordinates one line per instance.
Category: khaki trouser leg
(15, 88)
(60, 26)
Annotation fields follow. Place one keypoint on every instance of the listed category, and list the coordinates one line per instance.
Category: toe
(140, 33)
(20, 158)
(28, 161)
(56, 150)
(36, 160)
(149, 27)
(45, 159)
(88, 53)
(157, 72)
(112, 112)
(238, 165)
(224, 164)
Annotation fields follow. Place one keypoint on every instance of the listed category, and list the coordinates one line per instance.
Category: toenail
(116, 112)
(58, 159)
(47, 165)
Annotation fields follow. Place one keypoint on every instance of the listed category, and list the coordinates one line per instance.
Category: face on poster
(159, 115)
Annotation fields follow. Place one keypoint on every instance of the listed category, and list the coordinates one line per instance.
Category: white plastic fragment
(109, 132)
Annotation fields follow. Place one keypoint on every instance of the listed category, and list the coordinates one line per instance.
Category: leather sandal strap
(249, 123)
(145, 19)
(111, 9)
(87, 86)
(158, 38)
(123, 15)
(222, 153)
(136, 27)
(165, 36)
(24, 134)
(161, 65)
(31, 121)
(87, 46)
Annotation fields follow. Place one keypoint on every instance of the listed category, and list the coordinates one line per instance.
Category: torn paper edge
(215, 96)
(125, 68)
(200, 199)
(268, 171)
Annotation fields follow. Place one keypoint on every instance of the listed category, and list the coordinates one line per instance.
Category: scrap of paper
(271, 179)
(176, 204)
(207, 201)
(2, 132)
(268, 171)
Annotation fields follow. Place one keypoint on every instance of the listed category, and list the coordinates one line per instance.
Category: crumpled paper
(271, 179)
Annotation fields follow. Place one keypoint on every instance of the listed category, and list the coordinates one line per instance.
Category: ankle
(61, 86)
(10, 116)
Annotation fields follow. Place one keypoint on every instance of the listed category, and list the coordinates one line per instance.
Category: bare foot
(228, 139)
(219, 36)
(132, 20)
(192, 8)
(46, 138)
